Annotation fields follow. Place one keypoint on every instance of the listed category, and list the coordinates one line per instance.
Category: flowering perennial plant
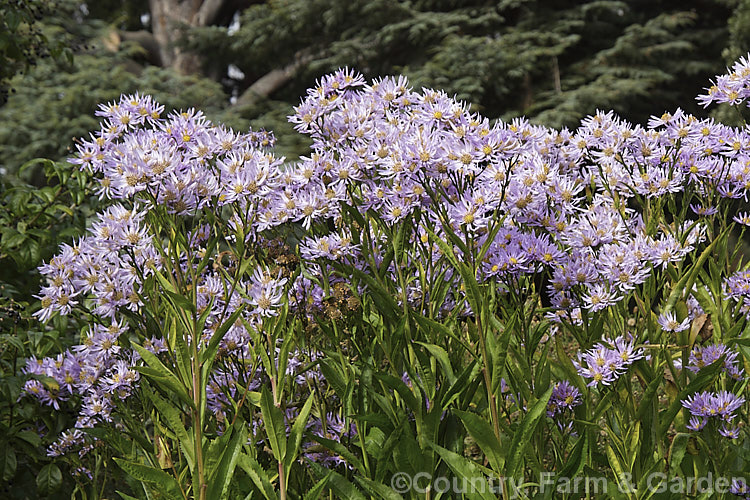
(422, 275)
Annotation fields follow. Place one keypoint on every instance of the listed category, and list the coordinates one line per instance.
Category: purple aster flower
(739, 487)
(696, 423)
(605, 365)
(698, 403)
(564, 397)
(668, 322)
(599, 297)
(742, 218)
(703, 211)
(729, 432)
(708, 404)
(704, 356)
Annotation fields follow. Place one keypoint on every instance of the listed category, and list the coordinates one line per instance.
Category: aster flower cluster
(707, 355)
(603, 364)
(181, 165)
(737, 288)
(706, 405)
(732, 87)
(565, 397)
(96, 375)
(383, 148)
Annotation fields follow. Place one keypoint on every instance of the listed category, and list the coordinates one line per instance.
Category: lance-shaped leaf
(160, 374)
(157, 477)
(253, 469)
(172, 416)
(295, 436)
(221, 476)
(341, 486)
(524, 434)
(484, 435)
(273, 421)
(467, 471)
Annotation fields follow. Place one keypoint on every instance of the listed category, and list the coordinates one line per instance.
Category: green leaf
(634, 441)
(49, 479)
(677, 452)
(465, 384)
(648, 396)
(484, 435)
(168, 286)
(577, 457)
(8, 463)
(524, 434)
(161, 374)
(465, 470)
(333, 377)
(172, 416)
(337, 483)
(30, 437)
(382, 297)
(499, 350)
(221, 477)
(273, 421)
(614, 462)
(146, 474)
(209, 353)
(341, 450)
(403, 390)
(315, 491)
(380, 490)
(125, 497)
(253, 469)
(430, 325)
(441, 356)
(295, 436)
(687, 281)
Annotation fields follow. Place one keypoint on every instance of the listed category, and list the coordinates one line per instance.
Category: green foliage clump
(22, 40)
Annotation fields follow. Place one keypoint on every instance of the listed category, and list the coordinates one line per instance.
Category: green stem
(488, 380)
(197, 424)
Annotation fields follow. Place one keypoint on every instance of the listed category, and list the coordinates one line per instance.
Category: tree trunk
(169, 17)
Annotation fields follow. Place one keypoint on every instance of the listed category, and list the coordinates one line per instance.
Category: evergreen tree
(555, 61)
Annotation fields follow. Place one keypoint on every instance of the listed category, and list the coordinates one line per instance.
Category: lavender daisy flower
(703, 211)
(726, 403)
(698, 403)
(564, 397)
(668, 322)
(729, 432)
(742, 218)
(709, 404)
(605, 365)
(739, 487)
(704, 356)
(599, 297)
(696, 424)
